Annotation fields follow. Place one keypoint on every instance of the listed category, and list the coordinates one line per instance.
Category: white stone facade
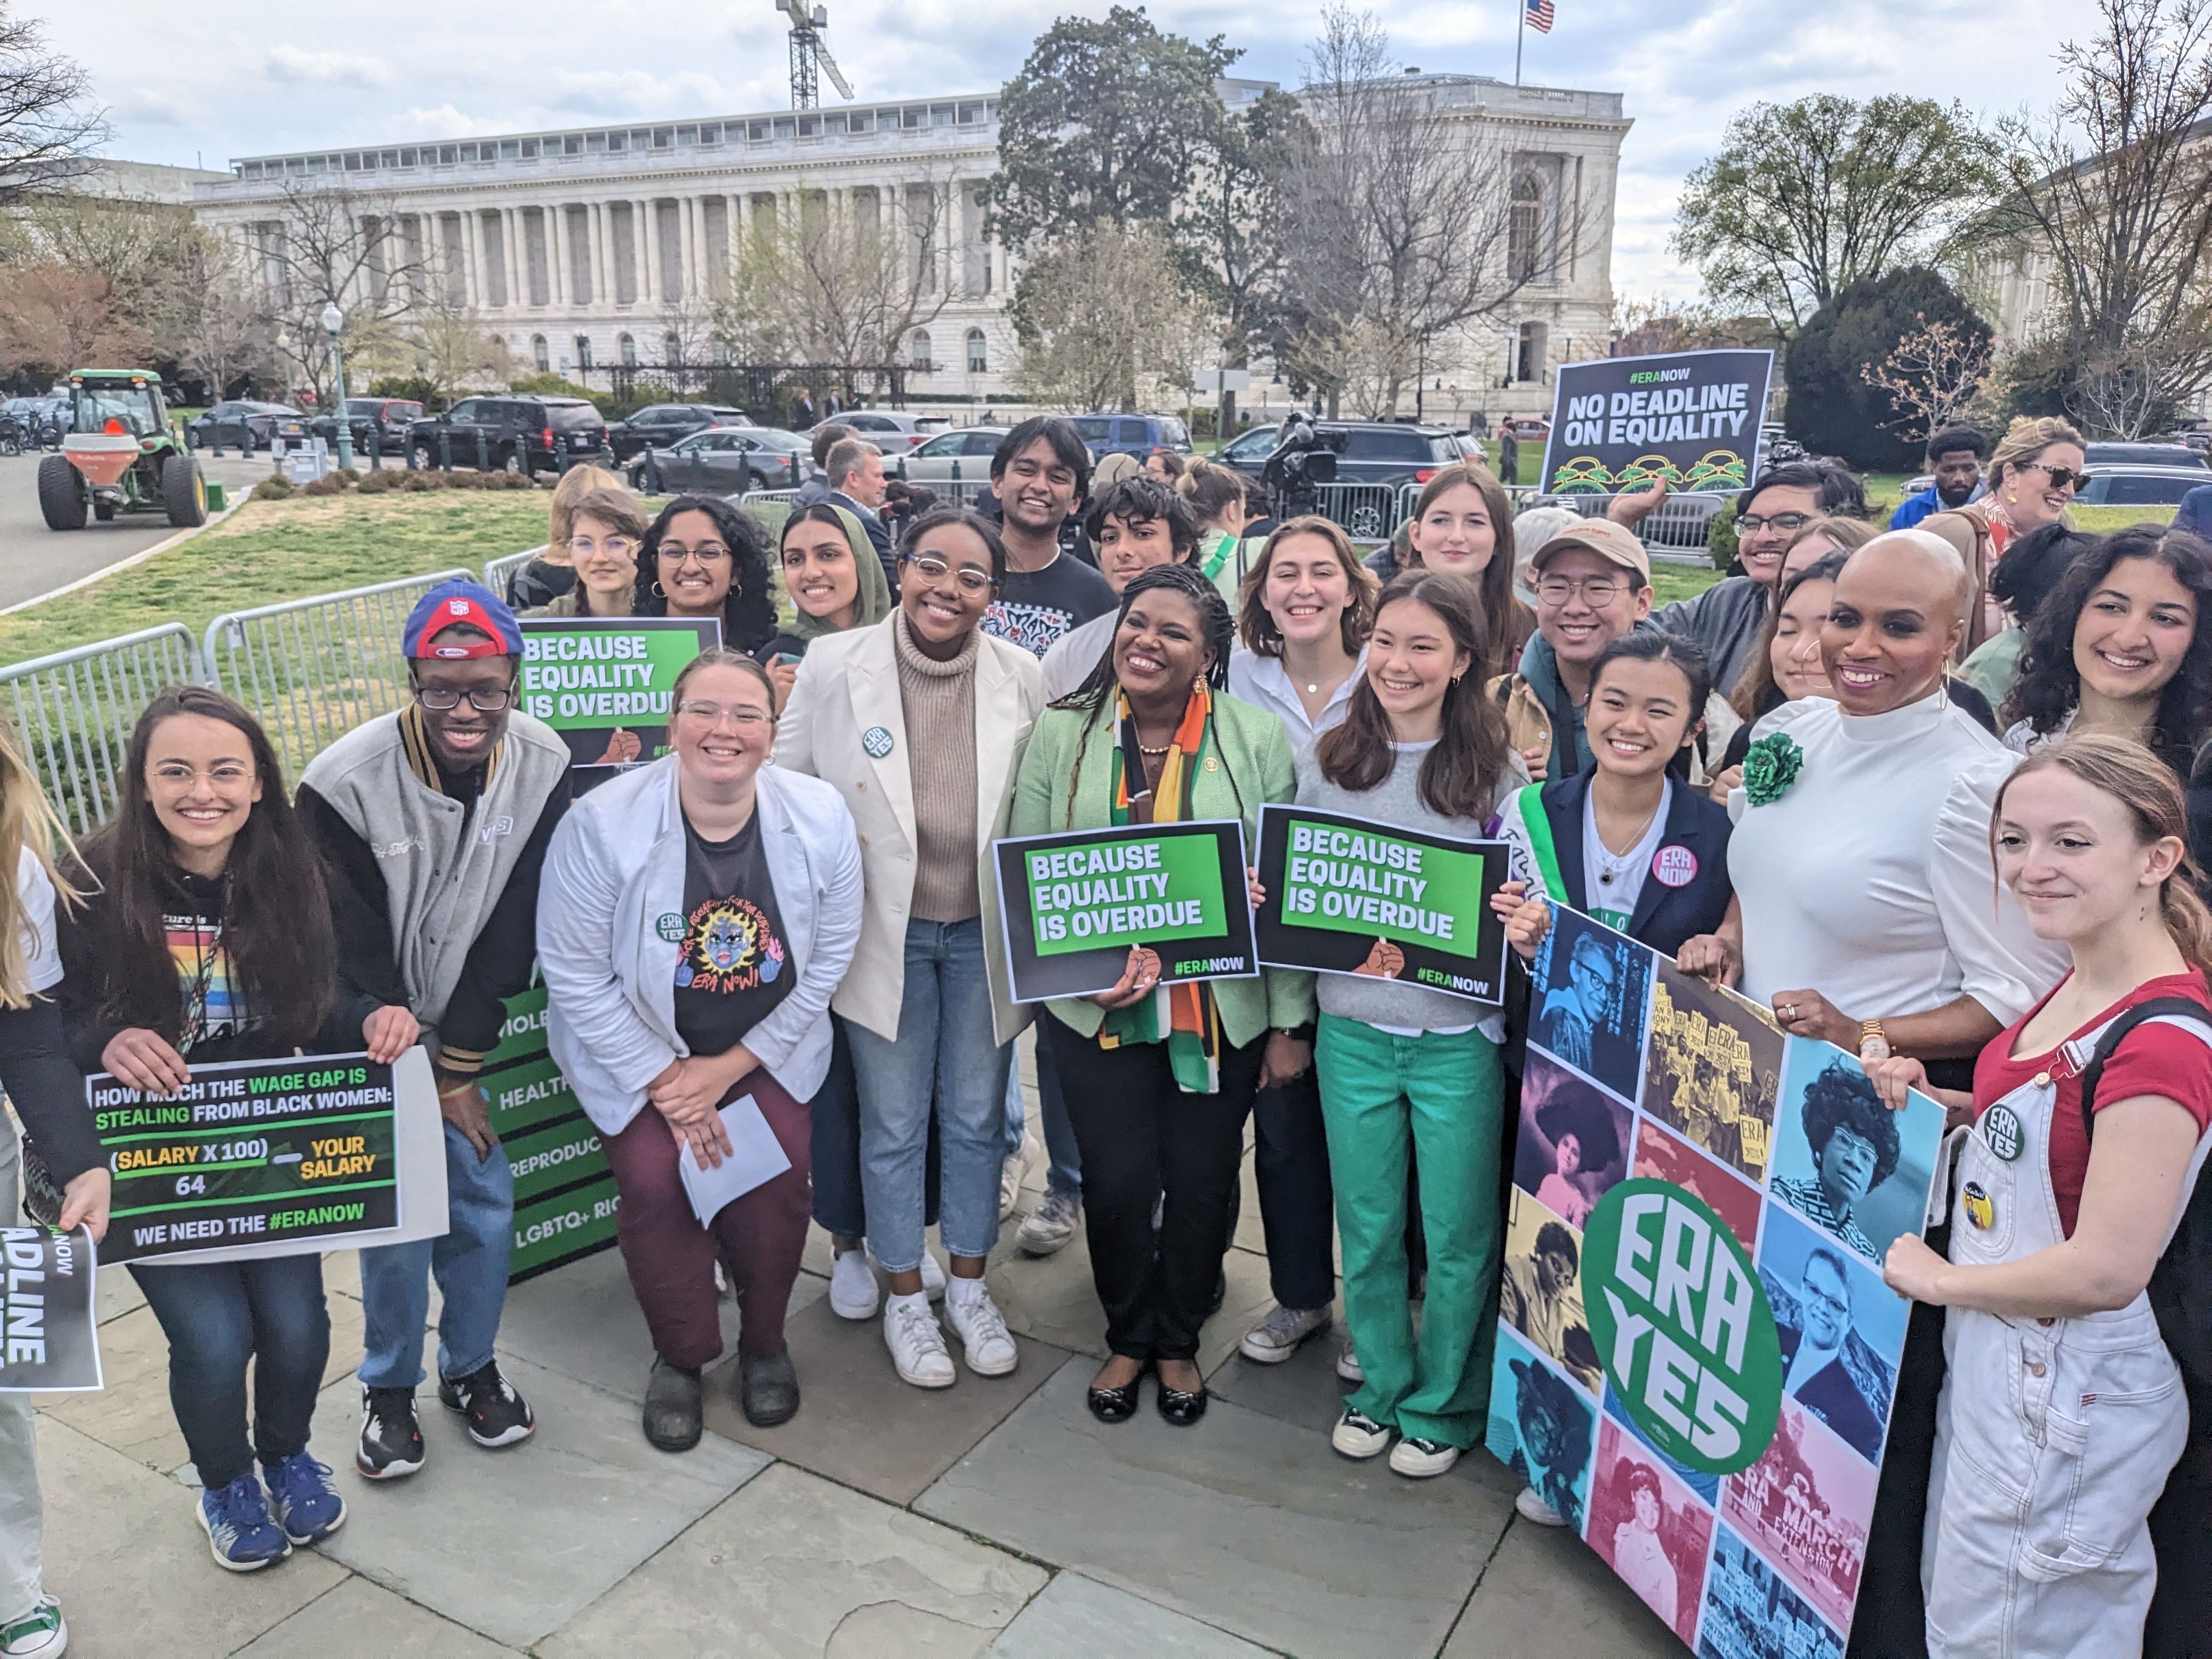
(593, 246)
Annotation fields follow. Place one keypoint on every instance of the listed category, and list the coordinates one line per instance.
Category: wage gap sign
(1074, 903)
(1349, 895)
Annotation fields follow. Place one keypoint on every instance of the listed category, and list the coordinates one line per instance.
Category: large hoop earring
(658, 593)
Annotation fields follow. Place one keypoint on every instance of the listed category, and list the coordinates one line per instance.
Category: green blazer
(1254, 766)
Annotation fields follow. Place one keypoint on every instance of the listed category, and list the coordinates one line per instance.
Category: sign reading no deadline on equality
(1346, 896)
(1074, 903)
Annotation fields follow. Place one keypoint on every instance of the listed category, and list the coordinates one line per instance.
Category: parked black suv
(391, 417)
(658, 426)
(513, 433)
(1374, 452)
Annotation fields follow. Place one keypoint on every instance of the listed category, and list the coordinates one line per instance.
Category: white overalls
(2053, 1437)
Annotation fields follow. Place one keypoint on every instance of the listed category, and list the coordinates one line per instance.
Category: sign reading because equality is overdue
(1075, 903)
(604, 685)
(257, 1152)
(1347, 896)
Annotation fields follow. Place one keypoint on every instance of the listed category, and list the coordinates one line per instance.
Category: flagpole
(1520, 33)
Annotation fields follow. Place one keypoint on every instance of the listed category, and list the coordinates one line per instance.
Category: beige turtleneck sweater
(938, 699)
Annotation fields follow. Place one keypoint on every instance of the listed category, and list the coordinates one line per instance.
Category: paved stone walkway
(995, 1517)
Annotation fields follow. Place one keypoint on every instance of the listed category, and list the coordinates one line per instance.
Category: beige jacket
(847, 689)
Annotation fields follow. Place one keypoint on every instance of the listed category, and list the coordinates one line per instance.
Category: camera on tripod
(1303, 457)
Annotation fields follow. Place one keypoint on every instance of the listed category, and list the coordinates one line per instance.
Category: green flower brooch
(1770, 766)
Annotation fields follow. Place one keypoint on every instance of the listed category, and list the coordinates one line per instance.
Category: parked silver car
(963, 454)
(894, 431)
(2139, 486)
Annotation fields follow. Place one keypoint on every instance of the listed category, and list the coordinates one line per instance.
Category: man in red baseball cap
(434, 821)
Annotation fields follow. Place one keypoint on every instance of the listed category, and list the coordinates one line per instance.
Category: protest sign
(564, 1188)
(1690, 417)
(272, 1158)
(604, 685)
(1074, 903)
(1697, 1354)
(1348, 896)
(49, 1336)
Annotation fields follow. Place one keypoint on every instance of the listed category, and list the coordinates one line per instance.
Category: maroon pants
(671, 1257)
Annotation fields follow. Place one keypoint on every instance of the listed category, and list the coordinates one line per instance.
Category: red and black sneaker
(496, 1414)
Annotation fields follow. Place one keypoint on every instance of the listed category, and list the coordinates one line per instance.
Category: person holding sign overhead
(1159, 1079)
(209, 936)
(434, 821)
(46, 1090)
(2069, 1294)
(696, 917)
(917, 723)
(1411, 1076)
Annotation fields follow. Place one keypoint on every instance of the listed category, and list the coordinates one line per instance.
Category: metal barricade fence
(1367, 512)
(314, 669)
(1680, 524)
(498, 571)
(75, 710)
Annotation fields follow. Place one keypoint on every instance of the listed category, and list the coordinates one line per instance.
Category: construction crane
(807, 53)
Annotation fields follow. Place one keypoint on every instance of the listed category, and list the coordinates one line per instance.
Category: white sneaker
(41, 1633)
(1357, 1435)
(1276, 1338)
(932, 1276)
(1533, 1508)
(1420, 1459)
(1012, 1174)
(1347, 1365)
(983, 1327)
(853, 1289)
(1048, 1228)
(917, 1345)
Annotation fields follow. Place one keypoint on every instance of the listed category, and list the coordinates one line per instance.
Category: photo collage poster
(1696, 1351)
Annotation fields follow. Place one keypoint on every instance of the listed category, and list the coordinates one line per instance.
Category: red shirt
(2152, 1060)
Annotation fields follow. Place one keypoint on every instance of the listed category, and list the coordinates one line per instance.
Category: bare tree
(1099, 314)
(229, 329)
(335, 245)
(1934, 376)
(446, 343)
(46, 129)
(54, 318)
(1403, 221)
(837, 283)
(2111, 197)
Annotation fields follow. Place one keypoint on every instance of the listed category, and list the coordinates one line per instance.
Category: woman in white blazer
(918, 722)
(695, 918)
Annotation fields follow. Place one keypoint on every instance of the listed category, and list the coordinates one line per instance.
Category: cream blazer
(847, 689)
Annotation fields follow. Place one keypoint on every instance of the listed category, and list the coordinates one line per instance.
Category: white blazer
(616, 868)
(848, 687)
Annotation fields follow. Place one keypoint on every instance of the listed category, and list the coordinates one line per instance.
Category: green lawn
(269, 551)
(1670, 582)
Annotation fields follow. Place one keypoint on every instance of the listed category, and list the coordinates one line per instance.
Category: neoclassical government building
(599, 246)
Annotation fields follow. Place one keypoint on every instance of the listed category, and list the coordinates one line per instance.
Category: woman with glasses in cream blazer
(918, 722)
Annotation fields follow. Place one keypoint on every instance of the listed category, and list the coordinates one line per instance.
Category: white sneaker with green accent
(41, 1633)
(982, 1328)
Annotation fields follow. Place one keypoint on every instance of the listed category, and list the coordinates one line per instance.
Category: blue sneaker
(302, 1499)
(241, 1535)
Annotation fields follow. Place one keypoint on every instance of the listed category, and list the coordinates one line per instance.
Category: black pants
(1290, 1163)
(1141, 1138)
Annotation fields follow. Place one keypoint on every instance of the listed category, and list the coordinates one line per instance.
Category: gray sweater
(1396, 801)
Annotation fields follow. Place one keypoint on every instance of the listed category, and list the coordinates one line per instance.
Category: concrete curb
(140, 557)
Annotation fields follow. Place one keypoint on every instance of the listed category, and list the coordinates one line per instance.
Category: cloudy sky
(219, 78)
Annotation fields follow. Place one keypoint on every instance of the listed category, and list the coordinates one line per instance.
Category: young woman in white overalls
(2063, 1413)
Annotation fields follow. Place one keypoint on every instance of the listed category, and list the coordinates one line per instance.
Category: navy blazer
(1665, 917)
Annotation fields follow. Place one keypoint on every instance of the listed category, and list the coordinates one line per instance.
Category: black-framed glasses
(483, 700)
(1788, 523)
(935, 570)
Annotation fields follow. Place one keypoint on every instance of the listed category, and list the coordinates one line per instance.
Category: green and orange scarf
(1183, 1015)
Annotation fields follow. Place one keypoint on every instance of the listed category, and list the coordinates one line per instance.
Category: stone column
(471, 259)
(648, 222)
(602, 277)
(510, 222)
(557, 254)
(687, 246)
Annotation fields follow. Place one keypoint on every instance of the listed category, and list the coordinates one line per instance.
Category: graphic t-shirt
(733, 964)
(1036, 607)
(1612, 901)
(2151, 1059)
(214, 996)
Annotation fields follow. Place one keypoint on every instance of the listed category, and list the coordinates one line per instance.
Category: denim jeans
(1064, 1174)
(944, 1054)
(22, 1515)
(219, 1317)
(834, 1141)
(470, 1263)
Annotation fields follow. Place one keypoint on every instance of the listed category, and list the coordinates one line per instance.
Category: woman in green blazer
(1159, 1078)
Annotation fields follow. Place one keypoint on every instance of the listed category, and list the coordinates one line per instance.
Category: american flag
(1540, 15)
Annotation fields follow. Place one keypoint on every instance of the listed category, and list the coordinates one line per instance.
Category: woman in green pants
(1409, 1075)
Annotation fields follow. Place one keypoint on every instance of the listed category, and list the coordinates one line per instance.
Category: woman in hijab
(834, 582)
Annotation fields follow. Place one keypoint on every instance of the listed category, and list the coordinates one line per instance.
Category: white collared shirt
(1264, 683)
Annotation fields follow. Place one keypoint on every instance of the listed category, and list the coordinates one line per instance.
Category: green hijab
(875, 602)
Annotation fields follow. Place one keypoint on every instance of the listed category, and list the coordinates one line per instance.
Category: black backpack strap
(2108, 1042)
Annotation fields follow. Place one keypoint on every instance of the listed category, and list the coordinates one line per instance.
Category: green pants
(1437, 1102)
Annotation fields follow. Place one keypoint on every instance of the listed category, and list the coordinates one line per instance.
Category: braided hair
(1217, 626)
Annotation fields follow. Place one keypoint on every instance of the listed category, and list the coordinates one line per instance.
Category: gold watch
(1873, 1042)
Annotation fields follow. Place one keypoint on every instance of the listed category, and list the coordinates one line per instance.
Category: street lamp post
(333, 324)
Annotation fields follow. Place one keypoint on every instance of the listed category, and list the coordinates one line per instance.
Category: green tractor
(121, 455)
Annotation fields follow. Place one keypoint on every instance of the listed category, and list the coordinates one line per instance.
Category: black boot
(768, 1389)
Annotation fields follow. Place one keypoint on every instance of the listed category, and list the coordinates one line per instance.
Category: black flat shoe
(768, 1389)
(1179, 1409)
(674, 1402)
(1117, 1404)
